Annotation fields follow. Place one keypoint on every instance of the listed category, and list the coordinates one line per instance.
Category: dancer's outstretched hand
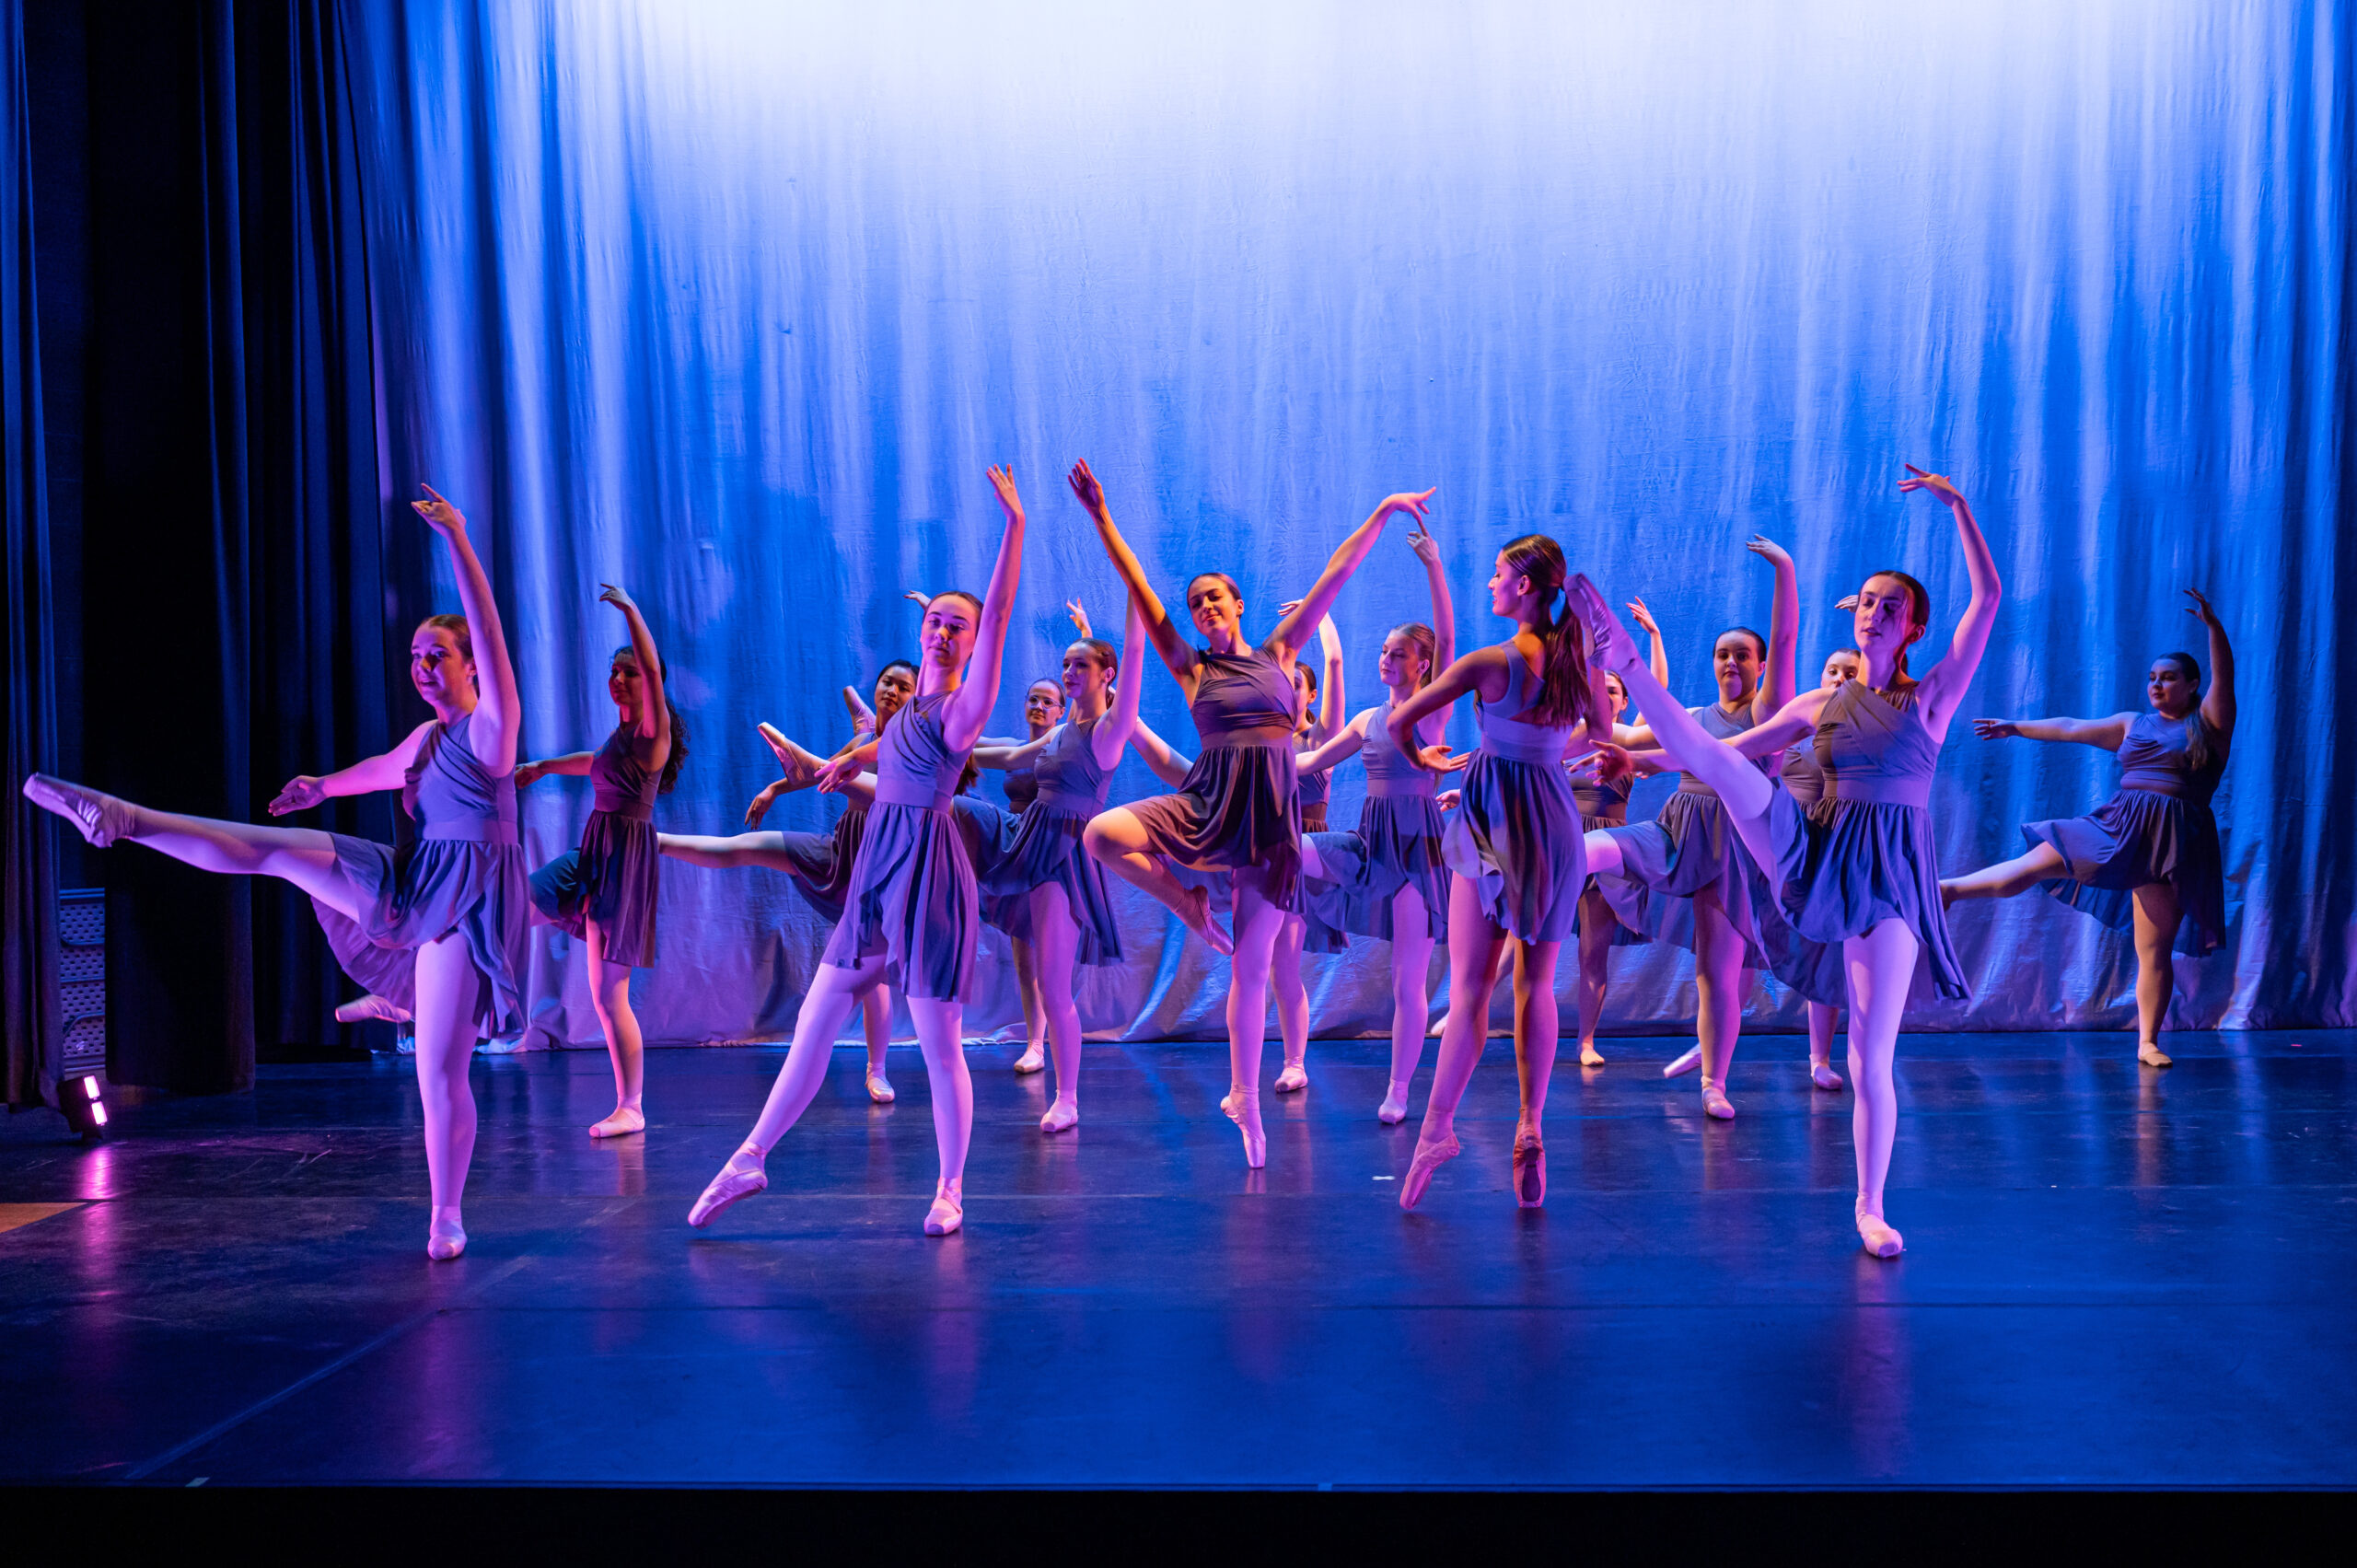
(1847, 601)
(2200, 610)
(1003, 480)
(1613, 763)
(609, 594)
(1644, 616)
(1438, 758)
(1995, 730)
(834, 775)
(1939, 484)
(761, 803)
(528, 773)
(1448, 800)
(1414, 503)
(923, 601)
(1421, 541)
(439, 515)
(1079, 617)
(1084, 485)
(1767, 550)
(302, 793)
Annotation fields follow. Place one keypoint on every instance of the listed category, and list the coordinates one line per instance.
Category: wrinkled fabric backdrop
(732, 303)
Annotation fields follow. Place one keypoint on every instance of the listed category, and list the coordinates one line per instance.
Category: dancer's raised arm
(1658, 660)
(969, 708)
(654, 713)
(496, 698)
(1292, 631)
(2218, 703)
(1175, 651)
(2106, 735)
(1165, 761)
(1121, 719)
(1942, 688)
(1781, 678)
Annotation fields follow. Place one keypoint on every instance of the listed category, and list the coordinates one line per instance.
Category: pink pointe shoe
(879, 1090)
(1063, 1116)
(1394, 1109)
(1715, 1104)
(949, 1210)
(1243, 1107)
(1295, 1078)
(101, 818)
(740, 1178)
(1609, 643)
(1529, 1170)
(1429, 1158)
(372, 1008)
(1686, 1063)
(1878, 1238)
(1032, 1060)
(445, 1238)
(1822, 1074)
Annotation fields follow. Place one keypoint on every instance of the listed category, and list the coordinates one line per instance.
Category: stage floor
(2115, 1277)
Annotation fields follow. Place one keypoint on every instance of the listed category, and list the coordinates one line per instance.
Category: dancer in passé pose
(433, 924)
(1514, 849)
(1236, 812)
(1387, 878)
(1684, 876)
(819, 864)
(1605, 804)
(1860, 869)
(603, 893)
(1304, 929)
(2147, 860)
(913, 909)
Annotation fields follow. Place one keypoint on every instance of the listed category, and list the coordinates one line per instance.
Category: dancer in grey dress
(436, 922)
(2148, 860)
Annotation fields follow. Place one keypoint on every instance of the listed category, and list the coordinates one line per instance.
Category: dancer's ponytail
(2198, 746)
(1567, 691)
(1427, 642)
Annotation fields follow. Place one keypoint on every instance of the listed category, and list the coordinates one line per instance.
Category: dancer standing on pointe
(1605, 804)
(433, 924)
(819, 864)
(1513, 846)
(912, 908)
(1304, 931)
(1389, 881)
(603, 893)
(1236, 812)
(1860, 869)
(2147, 860)
(1684, 876)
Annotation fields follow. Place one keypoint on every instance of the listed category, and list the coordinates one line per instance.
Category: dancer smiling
(912, 906)
(1514, 849)
(603, 893)
(1860, 869)
(1236, 812)
(2147, 860)
(433, 924)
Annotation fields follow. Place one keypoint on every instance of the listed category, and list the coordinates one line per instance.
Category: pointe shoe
(372, 1007)
(2153, 1056)
(101, 818)
(1686, 1063)
(949, 1210)
(1715, 1104)
(1293, 1079)
(1876, 1233)
(879, 1090)
(1822, 1074)
(1394, 1109)
(1197, 918)
(739, 1178)
(1591, 1057)
(1529, 1170)
(1429, 1158)
(445, 1238)
(1243, 1107)
(1609, 643)
(1031, 1060)
(620, 1124)
(1064, 1114)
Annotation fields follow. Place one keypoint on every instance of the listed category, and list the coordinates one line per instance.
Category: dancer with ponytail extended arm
(1513, 846)
(1859, 870)
(912, 908)
(2147, 861)
(603, 893)
(434, 924)
(1236, 812)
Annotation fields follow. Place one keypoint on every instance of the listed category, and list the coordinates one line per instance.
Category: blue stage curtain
(732, 303)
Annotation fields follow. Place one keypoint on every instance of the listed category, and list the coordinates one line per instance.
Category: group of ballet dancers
(1799, 840)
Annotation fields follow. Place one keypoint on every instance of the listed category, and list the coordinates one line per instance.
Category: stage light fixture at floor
(84, 1102)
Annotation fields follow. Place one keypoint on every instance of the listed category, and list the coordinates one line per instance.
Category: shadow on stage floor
(2115, 1276)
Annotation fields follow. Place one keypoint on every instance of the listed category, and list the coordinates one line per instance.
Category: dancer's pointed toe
(101, 819)
(741, 1178)
(1686, 1063)
(372, 1007)
(948, 1212)
(1529, 1170)
(1243, 1107)
(1429, 1158)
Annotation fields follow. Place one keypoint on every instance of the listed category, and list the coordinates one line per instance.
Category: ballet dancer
(1804, 779)
(819, 863)
(1860, 869)
(1236, 812)
(1605, 804)
(2147, 860)
(1684, 876)
(434, 925)
(1514, 849)
(912, 906)
(603, 893)
(1302, 929)
(1388, 879)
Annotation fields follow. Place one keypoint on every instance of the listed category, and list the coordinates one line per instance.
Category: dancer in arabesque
(2147, 861)
(433, 924)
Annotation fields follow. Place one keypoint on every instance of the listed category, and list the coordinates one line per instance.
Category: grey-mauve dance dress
(1321, 902)
(912, 897)
(1516, 835)
(614, 875)
(821, 863)
(1691, 844)
(1602, 805)
(1397, 842)
(2156, 827)
(1237, 809)
(1022, 787)
(1862, 854)
(456, 865)
(1070, 787)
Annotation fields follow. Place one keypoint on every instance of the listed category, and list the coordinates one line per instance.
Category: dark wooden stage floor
(2115, 1276)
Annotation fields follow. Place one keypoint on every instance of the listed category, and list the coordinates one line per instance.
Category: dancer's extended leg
(1718, 984)
(1596, 924)
(1257, 922)
(876, 1024)
(1474, 948)
(445, 1048)
(610, 995)
(1121, 840)
(2157, 918)
(1412, 998)
(2006, 877)
(834, 992)
(304, 856)
(1292, 1002)
(940, 1035)
(1821, 1019)
(1054, 953)
(1034, 1017)
(1536, 1035)
(1881, 964)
